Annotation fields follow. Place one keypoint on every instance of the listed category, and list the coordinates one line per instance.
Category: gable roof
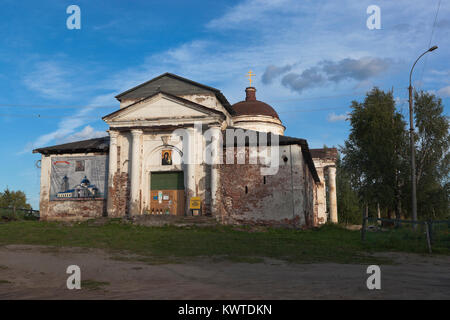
(182, 100)
(91, 145)
(175, 85)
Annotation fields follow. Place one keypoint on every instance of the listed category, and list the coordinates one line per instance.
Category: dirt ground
(38, 272)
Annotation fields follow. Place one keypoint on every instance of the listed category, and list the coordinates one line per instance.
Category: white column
(135, 171)
(332, 190)
(112, 169)
(189, 150)
(216, 148)
(321, 197)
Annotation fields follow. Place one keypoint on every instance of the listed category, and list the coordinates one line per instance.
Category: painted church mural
(78, 177)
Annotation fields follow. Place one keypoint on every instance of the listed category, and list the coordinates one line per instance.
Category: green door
(167, 180)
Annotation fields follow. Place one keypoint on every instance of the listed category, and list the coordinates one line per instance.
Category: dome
(85, 181)
(253, 107)
(252, 114)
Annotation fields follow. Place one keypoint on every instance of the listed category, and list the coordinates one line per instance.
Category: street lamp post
(411, 138)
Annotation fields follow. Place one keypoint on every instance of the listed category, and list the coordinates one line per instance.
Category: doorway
(167, 193)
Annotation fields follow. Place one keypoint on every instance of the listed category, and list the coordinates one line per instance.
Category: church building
(178, 147)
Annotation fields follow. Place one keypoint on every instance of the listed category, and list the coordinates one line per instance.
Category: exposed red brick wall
(74, 209)
(120, 194)
(265, 204)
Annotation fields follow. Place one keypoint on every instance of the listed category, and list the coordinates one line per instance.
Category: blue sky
(311, 59)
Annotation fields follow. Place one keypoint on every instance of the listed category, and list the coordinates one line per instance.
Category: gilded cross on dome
(250, 75)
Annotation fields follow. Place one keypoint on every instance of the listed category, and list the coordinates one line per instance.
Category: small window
(264, 178)
(246, 189)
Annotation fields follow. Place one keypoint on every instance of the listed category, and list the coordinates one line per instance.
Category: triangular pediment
(175, 85)
(162, 106)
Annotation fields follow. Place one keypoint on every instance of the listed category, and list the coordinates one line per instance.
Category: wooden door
(167, 193)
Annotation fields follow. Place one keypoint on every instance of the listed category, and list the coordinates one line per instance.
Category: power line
(39, 116)
(312, 110)
(429, 43)
(7, 105)
(402, 101)
(319, 98)
(52, 106)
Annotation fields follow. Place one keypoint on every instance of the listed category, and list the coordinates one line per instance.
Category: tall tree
(375, 151)
(16, 199)
(432, 156)
(347, 197)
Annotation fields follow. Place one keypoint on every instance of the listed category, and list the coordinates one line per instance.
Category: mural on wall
(78, 177)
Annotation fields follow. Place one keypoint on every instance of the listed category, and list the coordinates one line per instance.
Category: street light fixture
(411, 137)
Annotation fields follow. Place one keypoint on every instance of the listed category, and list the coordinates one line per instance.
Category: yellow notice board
(194, 203)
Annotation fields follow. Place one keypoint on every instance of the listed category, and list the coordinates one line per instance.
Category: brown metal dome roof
(251, 106)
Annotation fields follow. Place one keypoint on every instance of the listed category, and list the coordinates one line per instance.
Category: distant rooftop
(91, 145)
(324, 153)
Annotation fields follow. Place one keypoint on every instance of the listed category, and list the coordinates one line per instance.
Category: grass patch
(4, 281)
(406, 239)
(2, 267)
(93, 285)
(169, 244)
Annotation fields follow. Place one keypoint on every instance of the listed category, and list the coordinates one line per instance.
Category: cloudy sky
(311, 59)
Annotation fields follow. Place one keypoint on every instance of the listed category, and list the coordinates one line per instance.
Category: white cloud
(66, 130)
(86, 133)
(49, 79)
(247, 12)
(444, 92)
(333, 117)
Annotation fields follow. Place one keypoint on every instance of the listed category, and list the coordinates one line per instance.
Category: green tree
(16, 199)
(432, 156)
(375, 151)
(347, 197)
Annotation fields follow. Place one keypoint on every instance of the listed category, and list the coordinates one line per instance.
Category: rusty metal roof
(91, 145)
(255, 107)
(251, 106)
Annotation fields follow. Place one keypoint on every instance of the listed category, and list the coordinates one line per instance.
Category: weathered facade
(174, 141)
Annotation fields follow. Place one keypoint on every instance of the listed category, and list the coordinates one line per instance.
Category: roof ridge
(170, 75)
(187, 101)
(219, 95)
(69, 143)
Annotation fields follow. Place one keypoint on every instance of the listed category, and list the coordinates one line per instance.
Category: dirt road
(38, 272)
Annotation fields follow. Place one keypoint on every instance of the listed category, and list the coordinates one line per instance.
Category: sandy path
(37, 272)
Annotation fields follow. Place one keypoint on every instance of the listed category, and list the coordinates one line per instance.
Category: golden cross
(250, 75)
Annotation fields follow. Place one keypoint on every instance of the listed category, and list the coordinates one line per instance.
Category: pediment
(162, 106)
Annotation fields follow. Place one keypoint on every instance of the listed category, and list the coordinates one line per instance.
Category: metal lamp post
(411, 137)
